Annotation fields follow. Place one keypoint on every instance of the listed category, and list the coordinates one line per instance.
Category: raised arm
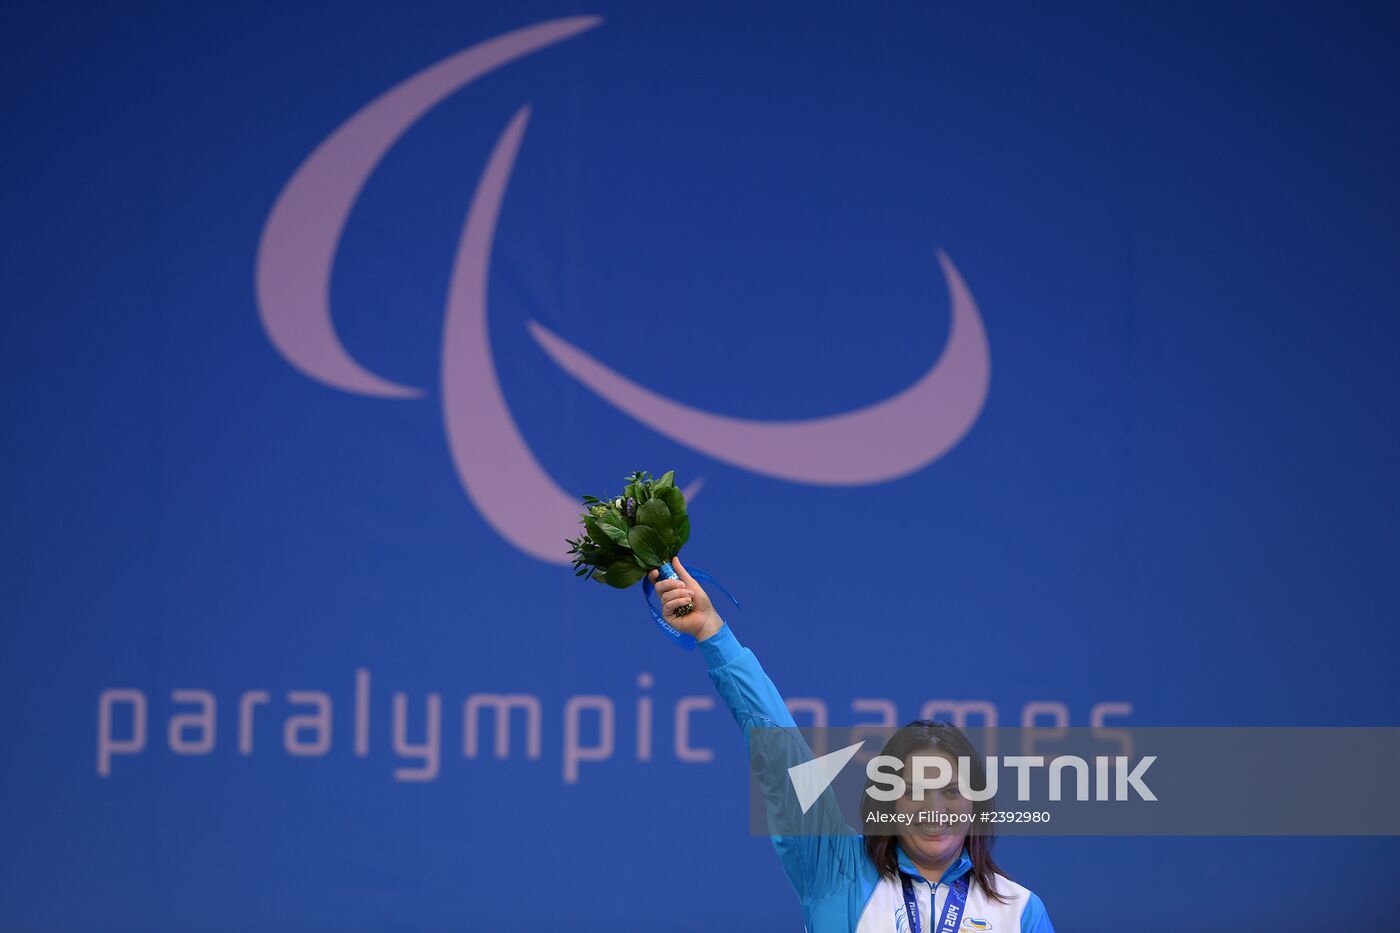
(824, 852)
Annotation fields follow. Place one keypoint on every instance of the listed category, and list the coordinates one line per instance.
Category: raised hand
(702, 621)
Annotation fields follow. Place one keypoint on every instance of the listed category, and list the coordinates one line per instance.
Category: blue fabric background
(1179, 223)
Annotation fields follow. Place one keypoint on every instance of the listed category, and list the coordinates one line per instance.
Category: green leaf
(674, 499)
(623, 574)
(613, 527)
(682, 531)
(646, 546)
(656, 516)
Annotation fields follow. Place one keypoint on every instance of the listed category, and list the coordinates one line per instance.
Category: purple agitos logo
(888, 439)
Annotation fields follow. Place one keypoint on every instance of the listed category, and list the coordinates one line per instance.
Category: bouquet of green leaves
(629, 535)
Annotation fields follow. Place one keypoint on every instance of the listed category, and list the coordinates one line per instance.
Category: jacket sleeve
(822, 852)
(1034, 919)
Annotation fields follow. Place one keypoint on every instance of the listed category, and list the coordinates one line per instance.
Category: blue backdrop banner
(1023, 365)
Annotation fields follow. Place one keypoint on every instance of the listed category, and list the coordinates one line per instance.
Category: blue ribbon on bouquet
(670, 631)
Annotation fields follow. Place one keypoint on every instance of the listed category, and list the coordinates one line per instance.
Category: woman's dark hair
(924, 735)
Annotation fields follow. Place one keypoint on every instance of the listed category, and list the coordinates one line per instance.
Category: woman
(933, 879)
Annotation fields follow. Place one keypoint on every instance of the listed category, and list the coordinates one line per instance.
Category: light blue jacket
(840, 888)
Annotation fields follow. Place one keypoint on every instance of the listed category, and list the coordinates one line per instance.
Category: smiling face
(930, 842)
